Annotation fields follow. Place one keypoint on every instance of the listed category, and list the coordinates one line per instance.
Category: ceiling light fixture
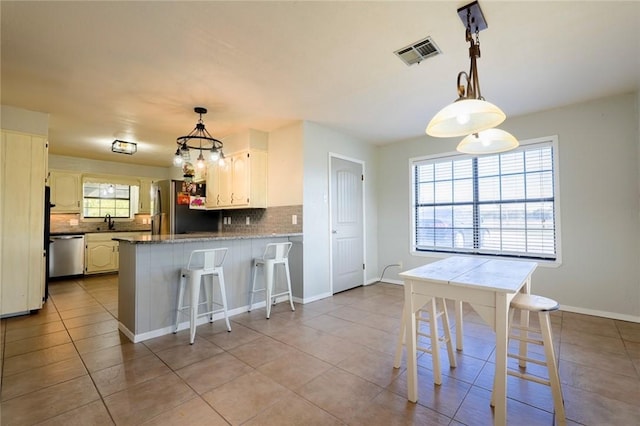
(471, 114)
(490, 141)
(123, 147)
(199, 139)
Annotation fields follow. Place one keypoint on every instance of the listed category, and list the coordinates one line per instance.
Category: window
(100, 199)
(503, 204)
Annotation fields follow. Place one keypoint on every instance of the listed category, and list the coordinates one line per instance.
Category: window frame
(110, 180)
(551, 141)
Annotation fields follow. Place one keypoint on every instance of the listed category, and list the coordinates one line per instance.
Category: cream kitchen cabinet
(101, 252)
(23, 164)
(144, 195)
(66, 191)
(240, 183)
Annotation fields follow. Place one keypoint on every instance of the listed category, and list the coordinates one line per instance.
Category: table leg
(500, 379)
(459, 329)
(410, 343)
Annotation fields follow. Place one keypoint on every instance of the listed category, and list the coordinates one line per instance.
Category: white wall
(599, 163)
(285, 166)
(25, 121)
(319, 141)
(85, 165)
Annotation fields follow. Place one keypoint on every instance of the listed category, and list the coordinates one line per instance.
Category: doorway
(347, 223)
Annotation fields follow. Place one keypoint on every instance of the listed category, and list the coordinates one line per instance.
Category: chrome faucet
(111, 222)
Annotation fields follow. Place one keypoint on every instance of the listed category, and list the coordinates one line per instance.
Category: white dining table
(488, 285)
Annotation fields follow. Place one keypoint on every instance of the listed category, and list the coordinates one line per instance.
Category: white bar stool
(202, 264)
(542, 305)
(274, 254)
(428, 305)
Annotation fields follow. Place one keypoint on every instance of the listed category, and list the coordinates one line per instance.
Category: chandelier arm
(463, 88)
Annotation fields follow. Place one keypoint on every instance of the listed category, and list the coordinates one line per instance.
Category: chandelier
(471, 115)
(201, 140)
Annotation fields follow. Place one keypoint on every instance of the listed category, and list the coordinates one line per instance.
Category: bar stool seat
(428, 313)
(274, 254)
(203, 266)
(542, 336)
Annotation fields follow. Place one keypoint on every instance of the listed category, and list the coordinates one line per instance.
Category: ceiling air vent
(418, 51)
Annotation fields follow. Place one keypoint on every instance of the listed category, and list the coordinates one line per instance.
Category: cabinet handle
(232, 198)
(218, 199)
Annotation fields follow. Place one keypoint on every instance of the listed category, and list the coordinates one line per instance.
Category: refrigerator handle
(158, 201)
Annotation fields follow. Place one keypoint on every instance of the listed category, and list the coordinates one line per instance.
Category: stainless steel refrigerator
(172, 212)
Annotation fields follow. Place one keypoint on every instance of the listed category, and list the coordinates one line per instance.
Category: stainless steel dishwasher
(66, 256)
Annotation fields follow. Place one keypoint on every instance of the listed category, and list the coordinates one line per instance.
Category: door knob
(334, 232)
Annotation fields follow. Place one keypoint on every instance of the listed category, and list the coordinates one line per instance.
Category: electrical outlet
(294, 219)
(248, 221)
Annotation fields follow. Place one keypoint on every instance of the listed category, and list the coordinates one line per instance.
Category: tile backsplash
(71, 222)
(270, 220)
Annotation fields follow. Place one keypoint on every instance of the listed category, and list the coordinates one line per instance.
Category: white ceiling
(135, 70)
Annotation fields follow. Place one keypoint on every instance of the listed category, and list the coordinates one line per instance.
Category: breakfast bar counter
(150, 271)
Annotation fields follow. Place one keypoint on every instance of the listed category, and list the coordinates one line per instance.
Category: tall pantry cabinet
(23, 174)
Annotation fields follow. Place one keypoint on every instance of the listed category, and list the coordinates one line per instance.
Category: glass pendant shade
(463, 117)
(177, 159)
(489, 141)
(200, 162)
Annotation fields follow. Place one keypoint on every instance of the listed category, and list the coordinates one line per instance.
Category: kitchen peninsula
(150, 268)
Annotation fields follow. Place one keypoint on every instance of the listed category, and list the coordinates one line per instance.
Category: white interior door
(347, 239)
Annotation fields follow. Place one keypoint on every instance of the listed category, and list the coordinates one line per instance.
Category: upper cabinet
(144, 204)
(240, 183)
(65, 191)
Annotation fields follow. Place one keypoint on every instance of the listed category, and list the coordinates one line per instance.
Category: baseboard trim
(598, 313)
(314, 298)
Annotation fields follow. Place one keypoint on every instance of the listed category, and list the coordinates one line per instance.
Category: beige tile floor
(329, 362)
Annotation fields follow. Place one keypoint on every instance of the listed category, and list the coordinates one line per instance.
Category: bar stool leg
(253, 285)
(268, 283)
(196, 278)
(286, 270)
(208, 290)
(403, 329)
(223, 291)
(182, 284)
(445, 323)
(554, 378)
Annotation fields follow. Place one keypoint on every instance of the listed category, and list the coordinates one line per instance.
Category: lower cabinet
(101, 252)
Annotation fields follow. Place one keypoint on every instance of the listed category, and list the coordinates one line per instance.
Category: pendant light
(198, 139)
(471, 114)
(490, 141)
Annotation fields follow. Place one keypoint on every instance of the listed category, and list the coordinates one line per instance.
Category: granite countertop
(97, 231)
(201, 236)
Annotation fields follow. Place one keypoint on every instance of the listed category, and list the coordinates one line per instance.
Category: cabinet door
(101, 256)
(225, 183)
(240, 179)
(22, 178)
(65, 192)
(144, 206)
(212, 187)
